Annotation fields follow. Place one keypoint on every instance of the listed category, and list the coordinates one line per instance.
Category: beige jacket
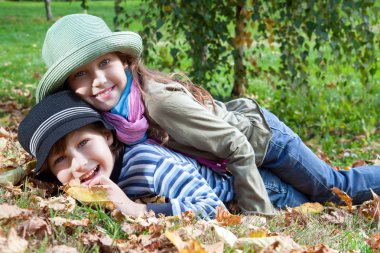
(236, 131)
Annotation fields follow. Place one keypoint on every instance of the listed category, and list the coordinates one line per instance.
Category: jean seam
(299, 162)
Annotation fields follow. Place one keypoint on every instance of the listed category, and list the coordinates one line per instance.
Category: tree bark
(49, 13)
(240, 70)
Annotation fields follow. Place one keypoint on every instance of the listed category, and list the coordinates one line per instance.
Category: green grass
(22, 31)
(317, 116)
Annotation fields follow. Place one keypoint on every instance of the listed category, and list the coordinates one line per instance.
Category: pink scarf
(131, 129)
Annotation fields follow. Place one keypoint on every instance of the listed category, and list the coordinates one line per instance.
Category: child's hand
(118, 197)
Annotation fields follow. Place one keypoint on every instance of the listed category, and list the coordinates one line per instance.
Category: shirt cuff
(164, 208)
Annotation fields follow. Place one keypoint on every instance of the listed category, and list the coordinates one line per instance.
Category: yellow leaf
(96, 194)
(257, 233)
(184, 247)
(309, 208)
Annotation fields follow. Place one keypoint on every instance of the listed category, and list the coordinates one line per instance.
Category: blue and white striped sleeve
(186, 189)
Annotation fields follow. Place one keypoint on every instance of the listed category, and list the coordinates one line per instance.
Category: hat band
(55, 119)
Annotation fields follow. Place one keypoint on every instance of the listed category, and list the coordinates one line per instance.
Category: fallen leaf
(12, 211)
(224, 217)
(336, 217)
(5, 133)
(182, 246)
(225, 235)
(309, 208)
(214, 248)
(34, 226)
(13, 177)
(294, 217)
(59, 221)
(60, 203)
(320, 248)
(282, 243)
(358, 163)
(96, 194)
(344, 197)
(62, 249)
(370, 208)
(259, 232)
(13, 243)
(374, 242)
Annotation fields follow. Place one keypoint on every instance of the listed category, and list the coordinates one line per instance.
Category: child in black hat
(72, 140)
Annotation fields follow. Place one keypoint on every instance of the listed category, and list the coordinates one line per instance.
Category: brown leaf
(59, 221)
(320, 248)
(182, 246)
(60, 203)
(370, 208)
(5, 133)
(336, 217)
(274, 243)
(13, 243)
(344, 197)
(12, 211)
(12, 155)
(374, 242)
(34, 226)
(323, 157)
(358, 163)
(224, 217)
(62, 249)
(294, 217)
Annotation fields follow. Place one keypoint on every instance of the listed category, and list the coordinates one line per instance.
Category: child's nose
(78, 165)
(99, 78)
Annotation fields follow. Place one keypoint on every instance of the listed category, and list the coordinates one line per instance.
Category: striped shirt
(148, 168)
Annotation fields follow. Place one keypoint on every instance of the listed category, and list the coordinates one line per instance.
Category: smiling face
(100, 82)
(85, 155)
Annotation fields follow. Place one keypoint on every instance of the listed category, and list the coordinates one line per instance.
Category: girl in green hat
(104, 68)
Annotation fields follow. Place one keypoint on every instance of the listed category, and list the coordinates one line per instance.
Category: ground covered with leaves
(39, 217)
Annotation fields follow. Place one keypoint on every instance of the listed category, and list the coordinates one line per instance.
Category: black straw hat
(53, 118)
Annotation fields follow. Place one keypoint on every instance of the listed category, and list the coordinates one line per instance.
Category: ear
(108, 136)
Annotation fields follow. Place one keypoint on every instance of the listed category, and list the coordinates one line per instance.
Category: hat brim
(57, 133)
(54, 78)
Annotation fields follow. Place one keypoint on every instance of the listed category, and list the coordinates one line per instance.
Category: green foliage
(193, 30)
(314, 63)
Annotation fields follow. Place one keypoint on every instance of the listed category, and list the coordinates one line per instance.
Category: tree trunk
(49, 13)
(240, 70)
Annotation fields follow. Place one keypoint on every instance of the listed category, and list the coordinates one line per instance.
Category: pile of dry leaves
(23, 229)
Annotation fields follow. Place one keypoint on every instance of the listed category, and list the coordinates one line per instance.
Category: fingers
(101, 180)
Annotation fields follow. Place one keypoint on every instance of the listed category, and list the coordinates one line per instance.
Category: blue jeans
(280, 193)
(296, 165)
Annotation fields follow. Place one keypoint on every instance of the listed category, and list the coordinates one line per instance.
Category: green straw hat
(76, 40)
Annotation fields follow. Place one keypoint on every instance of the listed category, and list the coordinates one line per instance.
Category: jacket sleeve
(185, 188)
(190, 123)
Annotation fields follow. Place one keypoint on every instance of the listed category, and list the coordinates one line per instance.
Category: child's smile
(85, 156)
(100, 82)
(89, 175)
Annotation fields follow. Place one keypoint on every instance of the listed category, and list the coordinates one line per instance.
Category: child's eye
(83, 143)
(58, 160)
(80, 73)
(104, 62)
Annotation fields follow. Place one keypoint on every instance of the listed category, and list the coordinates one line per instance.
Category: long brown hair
(142, 74)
